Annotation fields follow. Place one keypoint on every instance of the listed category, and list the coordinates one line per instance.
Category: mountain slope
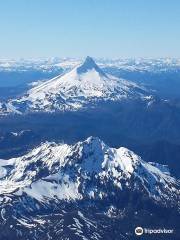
(56, 183)
(85, 85)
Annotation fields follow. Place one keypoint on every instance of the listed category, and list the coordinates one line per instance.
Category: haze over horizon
(97, 28)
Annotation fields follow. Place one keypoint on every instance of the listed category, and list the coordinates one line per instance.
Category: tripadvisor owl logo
(138, 231)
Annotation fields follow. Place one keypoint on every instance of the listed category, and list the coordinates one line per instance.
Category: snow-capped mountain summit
(83, 86)
(89, 64)
(83, 170)
(48, 191)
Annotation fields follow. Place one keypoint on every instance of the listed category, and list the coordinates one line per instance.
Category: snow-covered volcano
(85, 84)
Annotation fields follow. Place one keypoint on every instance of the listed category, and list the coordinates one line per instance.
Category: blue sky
(99, 28)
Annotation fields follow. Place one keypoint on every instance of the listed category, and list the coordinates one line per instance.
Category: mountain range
(87, 101)
(56, 182)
